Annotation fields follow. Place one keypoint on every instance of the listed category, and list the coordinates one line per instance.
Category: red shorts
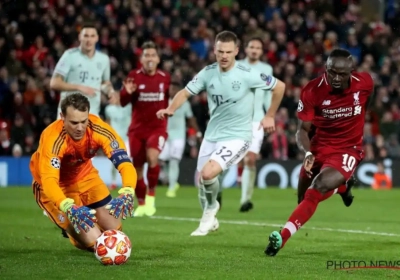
(345, 162)
(139, 142)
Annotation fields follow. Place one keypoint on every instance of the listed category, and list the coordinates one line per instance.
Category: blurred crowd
(298, 35)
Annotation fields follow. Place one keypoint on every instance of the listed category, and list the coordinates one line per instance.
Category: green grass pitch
(31, 247)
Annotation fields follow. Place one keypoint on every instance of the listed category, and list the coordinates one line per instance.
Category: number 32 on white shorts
(226, 153)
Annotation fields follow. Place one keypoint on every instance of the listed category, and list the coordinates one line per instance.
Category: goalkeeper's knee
(86, 247)
(119, 227)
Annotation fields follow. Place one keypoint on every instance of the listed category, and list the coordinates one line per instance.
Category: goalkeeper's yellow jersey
(60, 161)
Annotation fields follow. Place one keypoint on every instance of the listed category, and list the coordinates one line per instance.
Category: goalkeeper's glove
(123, 204)
(83, 216)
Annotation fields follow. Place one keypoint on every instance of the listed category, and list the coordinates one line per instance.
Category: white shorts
(173, 149)
(257, 139)
(226, 153)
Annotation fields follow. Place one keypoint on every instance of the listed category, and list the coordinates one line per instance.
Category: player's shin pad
(173, 173)
(83, 216)
(123, 204)
(202, 197)
(211, 192)
(248, 181)
(221, 180)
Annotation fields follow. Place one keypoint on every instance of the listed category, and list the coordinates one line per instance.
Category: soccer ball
(113, 247)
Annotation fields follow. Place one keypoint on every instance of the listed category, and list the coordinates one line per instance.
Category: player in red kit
(147, 89)
(335, 103)
(305, 180)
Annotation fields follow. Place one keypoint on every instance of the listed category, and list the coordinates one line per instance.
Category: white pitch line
(258, 224)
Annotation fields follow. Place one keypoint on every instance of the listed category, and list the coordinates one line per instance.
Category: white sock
(221, 179)
(202, 196)
(248, 180)
(211, 191)
(291, 228)
(173, 173)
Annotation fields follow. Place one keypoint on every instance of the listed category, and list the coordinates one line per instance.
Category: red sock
(303, 212)
(152, 176)
(341, 189)
(140, 191)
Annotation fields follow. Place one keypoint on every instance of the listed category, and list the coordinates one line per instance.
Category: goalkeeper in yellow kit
(65, 183)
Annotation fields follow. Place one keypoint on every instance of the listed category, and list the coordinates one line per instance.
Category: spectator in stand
(5, 142)
(298, 35)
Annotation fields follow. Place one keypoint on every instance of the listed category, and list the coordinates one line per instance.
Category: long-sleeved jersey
(60, 161)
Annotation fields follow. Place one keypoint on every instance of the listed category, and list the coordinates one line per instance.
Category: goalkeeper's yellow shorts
(90, 191)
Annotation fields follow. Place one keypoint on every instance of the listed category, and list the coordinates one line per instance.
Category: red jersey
(151, 95)
(338, 118)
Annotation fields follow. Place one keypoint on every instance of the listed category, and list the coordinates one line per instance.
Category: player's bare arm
(125, 94)
(181, 97)
(58, 83)
(268, 122)
(303, 142)
(302, 139)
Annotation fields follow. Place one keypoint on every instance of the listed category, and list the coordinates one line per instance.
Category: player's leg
(249, 170)
(305, 182)
(84, 240)
(223, 155)
(163, 159)
(221, 187)
(165, 156)
(248, 181)
(240, 167)
(138, 155)
(154, 145)
(347, 196)
(324, 183)
(141, 187)
(163, 172)
(177, 146)
(200, 186)
(207, 148)
(329, 181)
(96, 196)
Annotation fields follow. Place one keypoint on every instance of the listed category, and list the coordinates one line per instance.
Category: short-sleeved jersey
(78, 68)
(61, 161)
(230, 99)
(120, 118)
(177, 123)
(262, 98)
(151, 95)
(338, 118)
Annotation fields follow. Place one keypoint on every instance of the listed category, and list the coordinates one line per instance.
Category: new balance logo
(326, 102)
(212, 86)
